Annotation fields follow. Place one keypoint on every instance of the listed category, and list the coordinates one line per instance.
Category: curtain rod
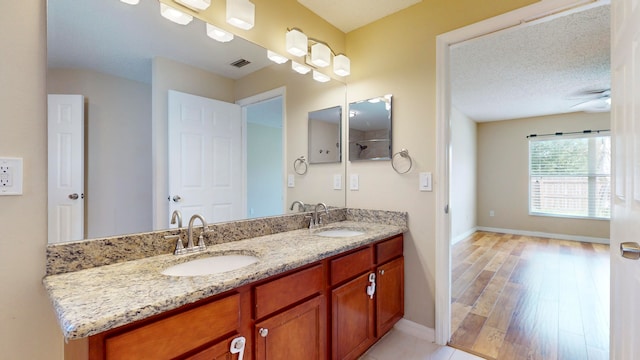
(569, 133)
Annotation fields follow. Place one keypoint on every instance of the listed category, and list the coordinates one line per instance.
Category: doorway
(443, 218)
(264, 139)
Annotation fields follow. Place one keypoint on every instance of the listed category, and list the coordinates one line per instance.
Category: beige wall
(396, 55)
(464, 167)
(118, 149)
(503, 176)
(28, 329)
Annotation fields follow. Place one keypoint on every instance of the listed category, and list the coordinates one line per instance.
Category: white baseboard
(589, 239)
(416, 330)
(464, 235)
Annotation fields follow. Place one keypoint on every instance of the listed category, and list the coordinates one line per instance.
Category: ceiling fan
(592, 100)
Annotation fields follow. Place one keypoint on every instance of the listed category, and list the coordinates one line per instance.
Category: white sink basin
(210, 265)
(339, 233)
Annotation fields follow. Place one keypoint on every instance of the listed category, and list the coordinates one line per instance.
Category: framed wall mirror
(370, 129)
(123, 60)
(324, 135)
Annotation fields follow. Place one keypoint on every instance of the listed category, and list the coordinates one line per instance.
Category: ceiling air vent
(240, 63)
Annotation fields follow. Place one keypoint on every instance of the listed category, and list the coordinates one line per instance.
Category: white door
(65, 124)
(205, 158)
(625, 224)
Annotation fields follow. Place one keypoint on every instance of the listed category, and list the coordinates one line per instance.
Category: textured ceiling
(534, 70)
(349, 15)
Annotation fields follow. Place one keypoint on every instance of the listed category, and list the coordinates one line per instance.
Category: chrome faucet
(300, 205)
(316, 219)
(190, 245)
(179, 249)
(176, 215)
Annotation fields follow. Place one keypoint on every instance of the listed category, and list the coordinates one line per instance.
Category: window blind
(570, 176)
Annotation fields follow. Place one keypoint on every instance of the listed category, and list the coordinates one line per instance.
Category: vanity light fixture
(320, 77)
(299, 68)
(174, 15)
(320, 55)
(296, 42)
(276, 58)
(195, 4)
(341, 65)
(241, 13)
(218, 34)
(131, 2)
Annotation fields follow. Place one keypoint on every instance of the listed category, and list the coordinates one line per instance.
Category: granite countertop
(94, 300)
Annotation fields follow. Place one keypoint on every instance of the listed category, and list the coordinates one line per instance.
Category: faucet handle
(312, 222)
(201, 244)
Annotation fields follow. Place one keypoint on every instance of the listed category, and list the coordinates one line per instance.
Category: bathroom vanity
(308, 297)
(288, 316)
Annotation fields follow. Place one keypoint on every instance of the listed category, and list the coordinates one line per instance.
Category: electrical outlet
(10, 176)
(6, 176)
(492, 213)
(291, 181)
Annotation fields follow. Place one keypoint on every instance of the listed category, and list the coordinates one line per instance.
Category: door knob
(73, 196)
(177, 198)
(263, 332)
(630, 250)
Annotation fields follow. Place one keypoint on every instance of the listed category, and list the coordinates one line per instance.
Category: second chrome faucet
(191, 247)
(316, 217)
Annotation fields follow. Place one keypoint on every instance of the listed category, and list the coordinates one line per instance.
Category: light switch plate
(10, 176)
(354, 182)
(337, 182)
(291, 181)
(425, 181)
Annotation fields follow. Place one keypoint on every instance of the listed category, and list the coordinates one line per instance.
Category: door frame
(252, 100)
(525, 16)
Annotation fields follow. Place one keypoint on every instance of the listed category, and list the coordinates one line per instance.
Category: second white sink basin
(339, 233)
(210, 265)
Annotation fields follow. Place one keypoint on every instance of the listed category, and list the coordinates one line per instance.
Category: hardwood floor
(520, 297)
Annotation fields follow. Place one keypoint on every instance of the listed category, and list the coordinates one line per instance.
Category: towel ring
(297, 165)
(404, 153)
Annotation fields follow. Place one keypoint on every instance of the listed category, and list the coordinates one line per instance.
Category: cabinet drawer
(349, 266)
(218, 351)
(287, 290)
(177, 334)
(389, 249)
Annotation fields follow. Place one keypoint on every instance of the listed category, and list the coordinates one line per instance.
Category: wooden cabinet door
(296, 334)
(389, 295)
(352, 315)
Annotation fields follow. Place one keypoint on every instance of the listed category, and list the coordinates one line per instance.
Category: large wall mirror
(124, 60)
(325, 135)
(370, 129)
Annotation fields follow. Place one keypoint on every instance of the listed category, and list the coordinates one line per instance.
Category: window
(570, 177)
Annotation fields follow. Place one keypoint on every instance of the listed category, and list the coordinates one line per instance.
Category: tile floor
(398, 345)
